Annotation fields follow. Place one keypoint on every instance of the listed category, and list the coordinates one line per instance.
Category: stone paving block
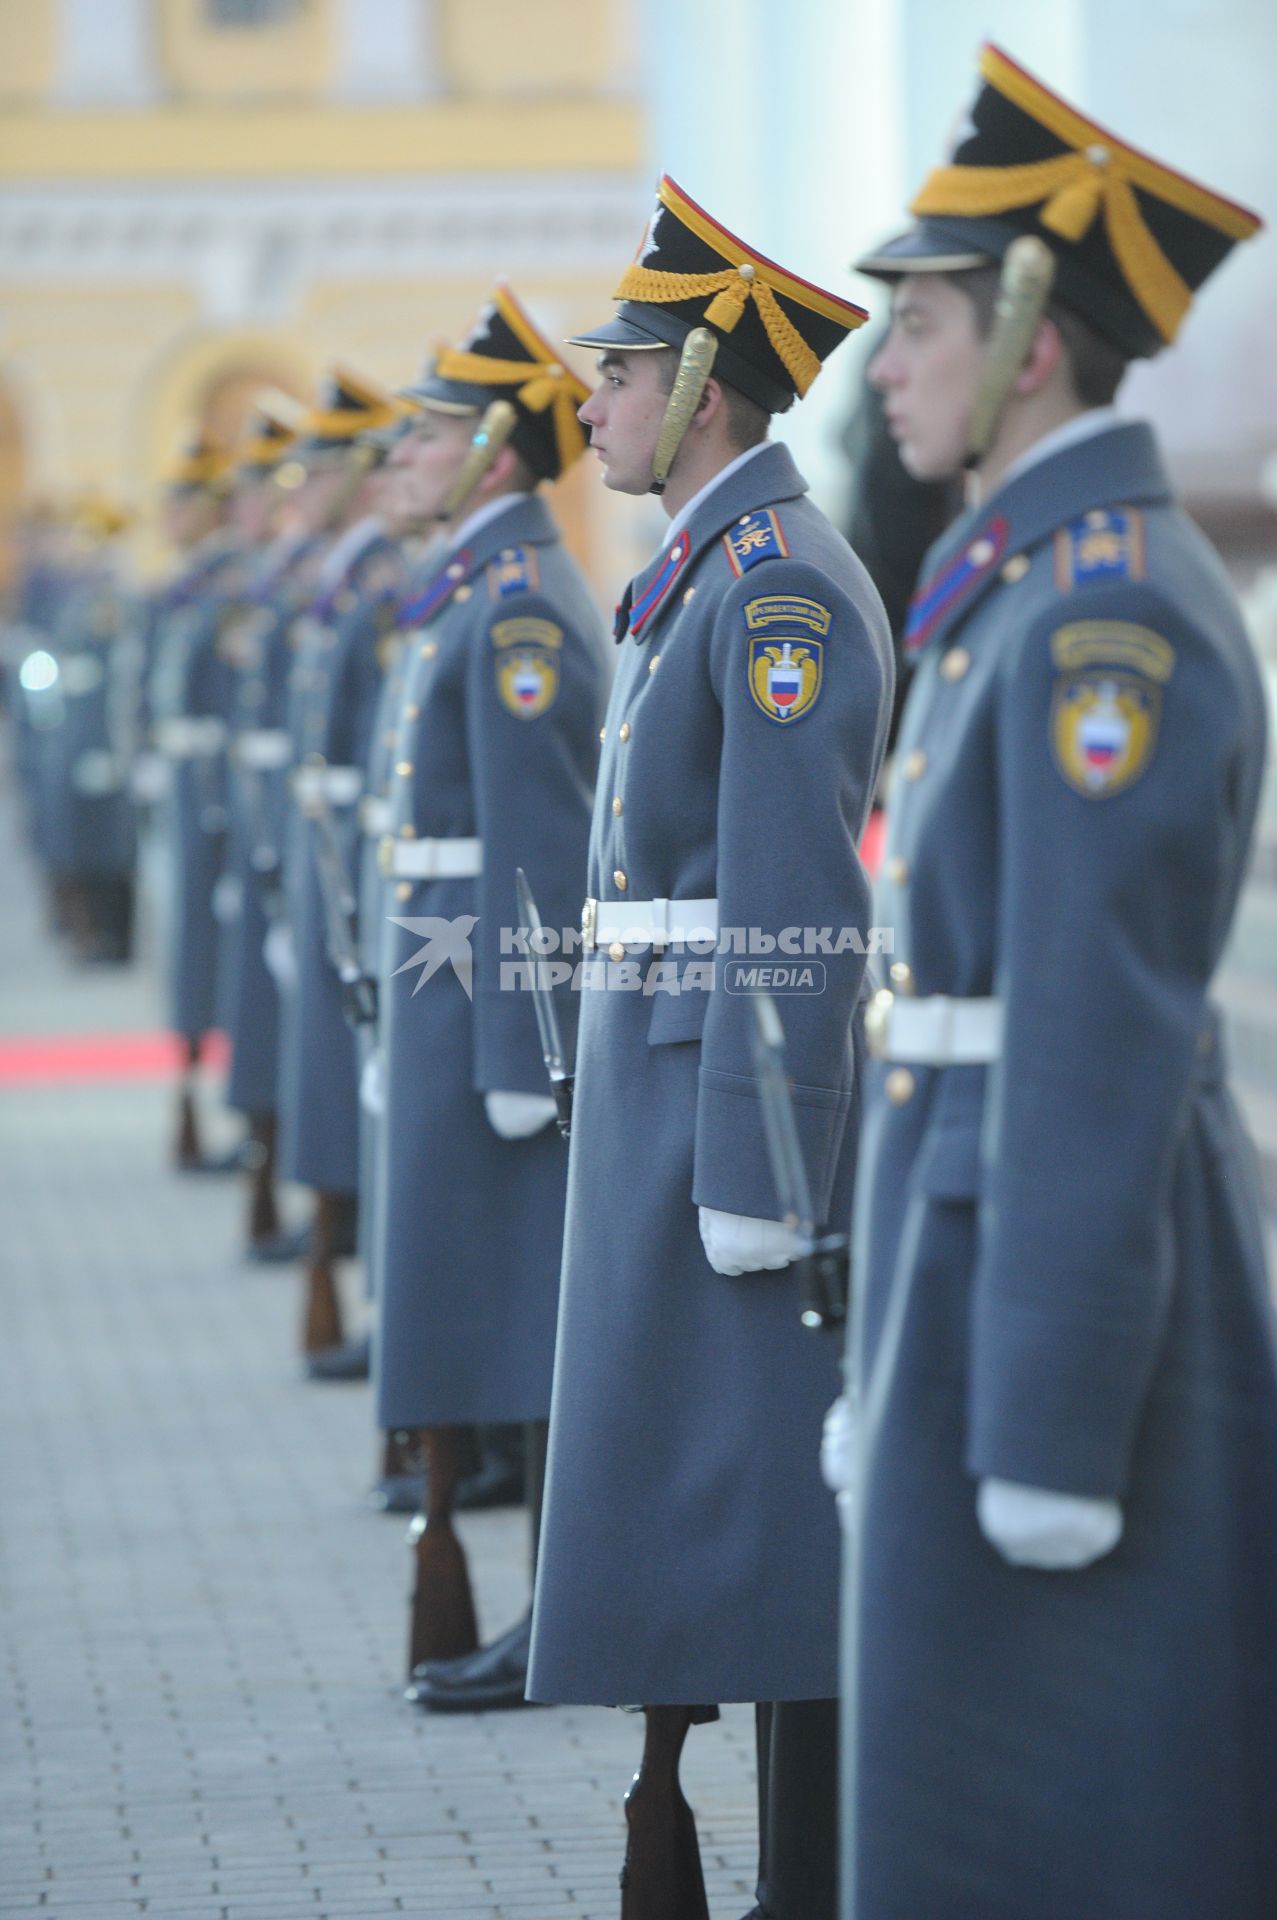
(202, 1625)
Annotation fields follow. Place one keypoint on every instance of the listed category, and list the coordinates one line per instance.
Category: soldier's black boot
(497, 1480)
(797, 1810)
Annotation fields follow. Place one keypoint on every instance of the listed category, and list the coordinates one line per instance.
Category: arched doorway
(209, 383)
(12, 476)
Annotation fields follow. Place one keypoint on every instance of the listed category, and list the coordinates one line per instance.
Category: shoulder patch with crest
(755, 537)
(515, 570)
(1104, 546)
(1106, 706)
(785, 673)
(526, 657)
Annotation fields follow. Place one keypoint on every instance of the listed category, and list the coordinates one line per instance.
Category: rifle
(823, 1267)
(543, 1000)
(662, 1871)
(442, 1623)
(358, 989)
(321, 1317)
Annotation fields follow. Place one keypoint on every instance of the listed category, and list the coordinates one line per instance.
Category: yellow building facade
(205, 196)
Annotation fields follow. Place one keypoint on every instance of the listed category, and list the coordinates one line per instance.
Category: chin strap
(1028, 272)
(498, 423)
(694, 368)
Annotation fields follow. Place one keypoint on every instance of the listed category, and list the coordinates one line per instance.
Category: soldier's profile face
(425, 462)
(928, 370)
(624, 415)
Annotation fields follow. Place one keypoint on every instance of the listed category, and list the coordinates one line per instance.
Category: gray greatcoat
(689, 1551)
(468, 1224)
(1059, 1255)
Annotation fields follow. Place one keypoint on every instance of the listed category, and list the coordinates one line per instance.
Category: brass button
(1015, 568)
(902, 976)
(602, 733)
(616, 951)
(623, 732)
(899, 1086)
(412, 711)
(456, 570)
(980, 552)
(403, 768)
(618, 806)
(404, 890)
(621, 882)
(915, 764)
(897, 870)
(462, 595)
(689, 596)
(654, 663)
(409, 832)
(430, 649)
(955, 663)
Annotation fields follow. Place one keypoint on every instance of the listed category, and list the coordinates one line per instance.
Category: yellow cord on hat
(1074, 186)
(539, 384)
(733, 289)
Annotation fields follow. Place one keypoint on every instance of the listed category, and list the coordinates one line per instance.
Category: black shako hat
(348, 406)
(506, 357)
(1132, 239)
(773, 330)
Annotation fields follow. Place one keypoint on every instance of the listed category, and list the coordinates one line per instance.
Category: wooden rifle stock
(322, 1323)
(259, 1159)
(662, 1877)
(442, 1624)
(186, 1145)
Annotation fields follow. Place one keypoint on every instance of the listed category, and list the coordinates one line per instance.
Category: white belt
(190, 739)
(374, 815)
(935, 1031)
(263, 749)
(339, 786)
(648, 923)
(430, 859)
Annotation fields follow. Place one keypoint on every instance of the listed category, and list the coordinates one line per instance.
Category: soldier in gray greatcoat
(1062, 1498)
(497, 742)
(689, 1551)
(260, 757)
(188, 700)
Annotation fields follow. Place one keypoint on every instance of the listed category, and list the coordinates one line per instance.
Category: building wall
(183, 206)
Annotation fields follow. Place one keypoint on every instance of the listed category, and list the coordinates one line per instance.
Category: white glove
(280, 956)
(372, 1084)
(517, 1116)
(150, 778)
(1031, 1527)
(735, 1243)
(96, 772)
(840, 1455)
(228, 899)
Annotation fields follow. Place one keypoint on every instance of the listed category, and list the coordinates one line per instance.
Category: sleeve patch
(1104, 546)
(514, 571)
(1106, 706)
(785, 676)
(755, 537)
(786, 610)
(527, 667)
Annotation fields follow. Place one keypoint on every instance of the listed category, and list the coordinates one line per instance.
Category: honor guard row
(400, 751)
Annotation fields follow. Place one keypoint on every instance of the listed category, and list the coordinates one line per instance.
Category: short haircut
(1096, 366)
(748, 424)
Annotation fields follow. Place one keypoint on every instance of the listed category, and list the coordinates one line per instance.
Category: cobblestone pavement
(201, 1625)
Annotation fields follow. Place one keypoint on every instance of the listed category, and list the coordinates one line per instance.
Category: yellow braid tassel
(726, 308)
(1072, 210)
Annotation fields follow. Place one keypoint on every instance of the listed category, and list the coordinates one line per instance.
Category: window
(251, 13)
